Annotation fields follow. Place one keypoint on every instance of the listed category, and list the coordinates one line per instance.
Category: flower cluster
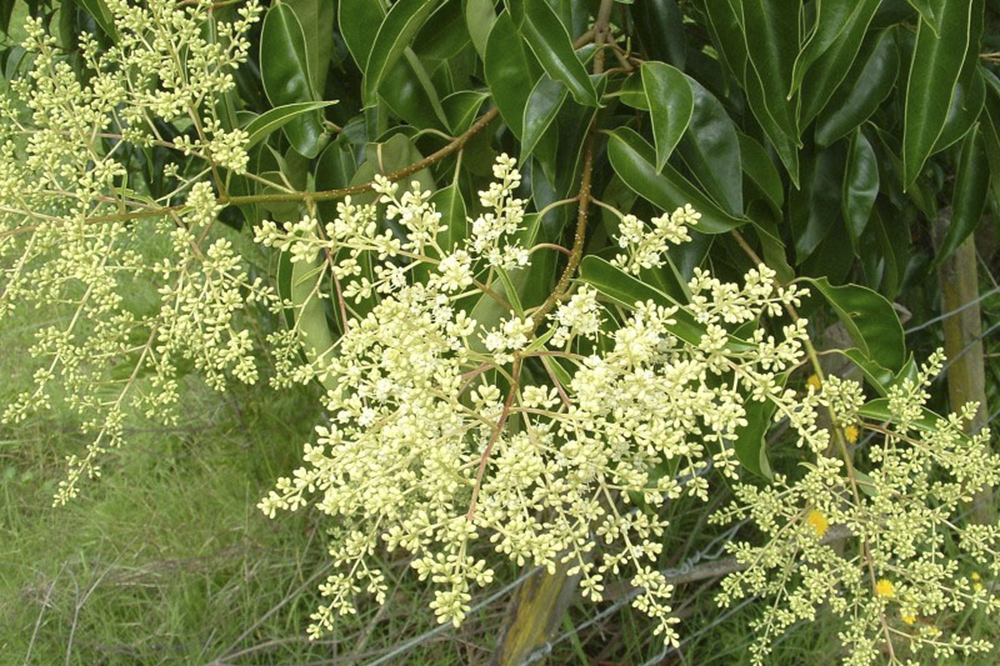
(142, 288)
(646, 248)
(884, 573)
(442, 435)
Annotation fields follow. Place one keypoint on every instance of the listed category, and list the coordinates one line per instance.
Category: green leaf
(990, 127)
(711, 149)
(660, 27)
(786, 147)
(409, 92)
(725, 25)
(878, 410)
(750, 439)
(870, 80)
(632, 93)
(358, 22)
(508, 68)
(833, 19)
(105, 20)
(758, 167)
(398, 28)
(771, 28)
(671, 103)
(625, 290)
(878, 377)
(827, 73)
(479, 17)
(937, 62)
(334, 171)
(634, 161)
(316, 17)
(310, 314)
(461, 109)
(966, 108)
(543, 104)
(861, 183)
(551, 44)
(451, 205)
(870, 320)
(969, 200)
(260, 127)
(284, 71)
(444, 34)
(931, 14)
(814, 210)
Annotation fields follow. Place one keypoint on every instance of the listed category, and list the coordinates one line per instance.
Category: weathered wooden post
(958, 276)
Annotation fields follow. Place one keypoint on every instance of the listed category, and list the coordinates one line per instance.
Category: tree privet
(521, 263)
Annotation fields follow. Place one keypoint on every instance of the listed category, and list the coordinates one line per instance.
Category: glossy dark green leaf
(751, 438)
(814, 210)
(930, 11)
(870, 320)
(878, 410)
(725, 24)
(785, 146)
(625, 290)
(461, 109)
(830, 70)
(316, 17)
(966, 108)
(508, 68)
(833, 18)
(619, 287)
(765, 225)
(105, 20)
(632, 93)
(284, 71)
(444, 34)
(397, 30)
(358, 22)
(543, 104)
(878, 377)
(870, 80)
(550, 42)
(660, 27)
(410, 93)
(771, 28)
(260, 127)
(334, 170)
(451, 205)
(990, 126)
(479, 18)
(972, 182)
(671, 103)
(937, 62)
(861, 184)
(310, 314)
(633, 159)
(758, 167)
(711, 149)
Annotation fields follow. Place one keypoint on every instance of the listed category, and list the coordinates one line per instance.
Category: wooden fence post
(958, 276)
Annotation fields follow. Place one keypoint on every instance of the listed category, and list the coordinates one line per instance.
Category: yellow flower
(975, 575)
(884, 588)
(814, 382)
(818, 521)
(909, 619)
(851, 433)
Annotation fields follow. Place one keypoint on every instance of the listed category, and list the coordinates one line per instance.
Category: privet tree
(549, 263)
